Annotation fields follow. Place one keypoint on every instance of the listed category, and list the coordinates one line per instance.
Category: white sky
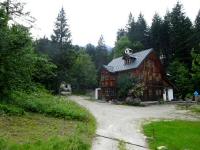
(88, 19)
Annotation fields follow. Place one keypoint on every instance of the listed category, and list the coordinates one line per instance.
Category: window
(128, 61)
(109, 92)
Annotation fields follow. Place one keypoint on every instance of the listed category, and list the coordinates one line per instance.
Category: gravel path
(124, 122)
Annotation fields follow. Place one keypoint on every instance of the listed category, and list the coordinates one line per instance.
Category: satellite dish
(128, 51)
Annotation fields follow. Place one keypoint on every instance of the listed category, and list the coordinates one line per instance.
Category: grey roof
(117, 64)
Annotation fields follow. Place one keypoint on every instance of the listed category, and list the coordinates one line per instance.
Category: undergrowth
(42, 102)
(11, 110)
(45, 103)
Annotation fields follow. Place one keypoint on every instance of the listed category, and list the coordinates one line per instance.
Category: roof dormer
(128, 56)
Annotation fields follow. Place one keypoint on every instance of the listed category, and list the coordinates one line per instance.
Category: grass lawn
(33, 127)
(40, 121)
(175, 135)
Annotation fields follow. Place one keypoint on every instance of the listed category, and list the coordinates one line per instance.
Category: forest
(28, 63)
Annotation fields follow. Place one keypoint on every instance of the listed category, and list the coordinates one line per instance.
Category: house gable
(144, 65)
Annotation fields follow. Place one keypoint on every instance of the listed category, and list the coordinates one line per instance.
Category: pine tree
(64, 56)
(131, 23)
(139, 32)
(91, 50)
(196, 67)
(197, 31)
(156, 33)
(179, 74)
(130, 28)
(197, 22)
(101, 54)
(180, 35)
(165, 39)
(121, 33)
(62, 35)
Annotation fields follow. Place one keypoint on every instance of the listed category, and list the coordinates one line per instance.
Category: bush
(11, 110)
(45, 103)
(124, 84)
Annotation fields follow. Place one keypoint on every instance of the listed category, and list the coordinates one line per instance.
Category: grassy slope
(53, 124)
(176, 135)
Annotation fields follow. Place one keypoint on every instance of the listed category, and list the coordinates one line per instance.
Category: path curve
(124, 122)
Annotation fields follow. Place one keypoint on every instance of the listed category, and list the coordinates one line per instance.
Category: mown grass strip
(175, 135)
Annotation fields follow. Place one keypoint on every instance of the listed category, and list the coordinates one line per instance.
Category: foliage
(14, 9)
(155, 31)
(42, 102)
(17, 59)
(180, 33)
(196, 34)
(101, 54)
(166, 51)
(44, 70)
(83, 72)
(121, 45)
(138, 31)
(121, 33)
(137, 90)
(124, 43)
(61, 34)
(124, 83)
(173, 134)
(11, 110)
(33, 131)
(91, 51)
(22, 69)
(196, 68)
(61, 51)
(179, 74)
(20, 65)
(45, 46)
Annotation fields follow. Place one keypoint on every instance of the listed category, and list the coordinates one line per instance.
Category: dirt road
(124, 122)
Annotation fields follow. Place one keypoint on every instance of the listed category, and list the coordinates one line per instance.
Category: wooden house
(144, 65)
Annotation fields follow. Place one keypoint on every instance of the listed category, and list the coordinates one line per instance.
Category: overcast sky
(88, 19)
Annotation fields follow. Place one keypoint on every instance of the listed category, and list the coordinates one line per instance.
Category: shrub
(124, 84)
(45, 103)
(11, 110)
